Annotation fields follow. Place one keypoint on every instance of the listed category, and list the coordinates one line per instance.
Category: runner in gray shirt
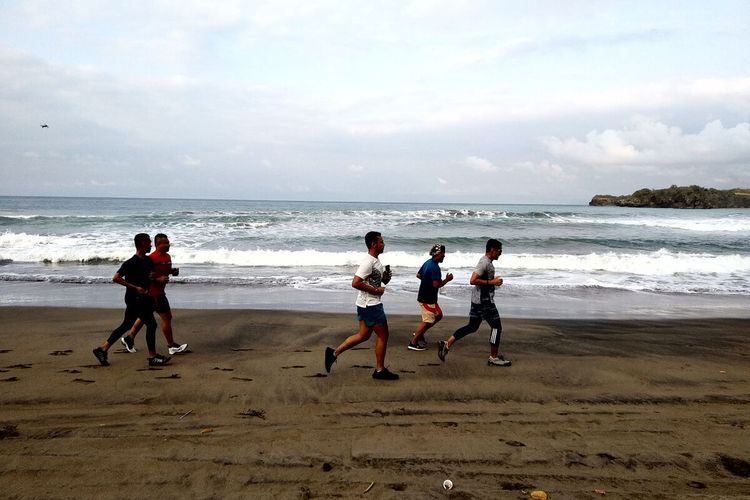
(482, 306)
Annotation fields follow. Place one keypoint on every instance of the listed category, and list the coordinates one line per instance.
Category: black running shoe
(384, 374)
(416, 347)
(101, 355)
(330, 358)
(158, 360)
(442, 350)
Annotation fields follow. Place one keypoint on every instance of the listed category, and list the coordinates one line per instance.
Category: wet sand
(589, 409)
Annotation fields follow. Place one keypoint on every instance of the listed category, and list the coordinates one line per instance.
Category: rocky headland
(678, 197)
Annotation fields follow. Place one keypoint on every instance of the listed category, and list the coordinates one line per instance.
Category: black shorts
(161, 304)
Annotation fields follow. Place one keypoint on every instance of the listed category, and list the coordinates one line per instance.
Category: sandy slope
(634, 409)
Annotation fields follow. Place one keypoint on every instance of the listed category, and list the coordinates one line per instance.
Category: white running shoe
(498, 361)
(177, 350)
(128, 343)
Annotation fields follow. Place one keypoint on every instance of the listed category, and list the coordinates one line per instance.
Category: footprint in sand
(242, 379)
(10, 379)
(735, 466)
(446, 424)
(83, 381)
(367, 367)
(66, 352)
(8, 430)
(5, 351)
(261, 414)
(293, 366)
(20, 365)
(317, 375)
(223, 369)
(174, 375)
(70, 371)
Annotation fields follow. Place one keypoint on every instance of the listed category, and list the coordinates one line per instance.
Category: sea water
(558, 261)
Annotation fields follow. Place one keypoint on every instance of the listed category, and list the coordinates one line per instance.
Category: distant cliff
(678, 197)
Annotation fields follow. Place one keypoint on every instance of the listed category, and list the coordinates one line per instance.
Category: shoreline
(585, 304)
(636, 408)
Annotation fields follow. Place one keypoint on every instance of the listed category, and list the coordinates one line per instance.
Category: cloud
(540, 169)
(316, 87)
(490, 55)
(644, 141)
(479, 164)
(189, 161)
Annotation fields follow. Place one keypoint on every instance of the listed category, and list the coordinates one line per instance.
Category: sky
(454, 101)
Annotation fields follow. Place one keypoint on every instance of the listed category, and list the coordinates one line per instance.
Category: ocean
(558, 261)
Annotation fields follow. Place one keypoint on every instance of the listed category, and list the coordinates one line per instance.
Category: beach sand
(589, 409)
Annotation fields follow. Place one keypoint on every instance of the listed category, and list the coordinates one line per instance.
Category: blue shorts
(372, 315)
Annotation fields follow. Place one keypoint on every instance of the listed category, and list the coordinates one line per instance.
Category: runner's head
(494, 249)
(142, 242)
(437, 252)
(161, 242)
(374, 241)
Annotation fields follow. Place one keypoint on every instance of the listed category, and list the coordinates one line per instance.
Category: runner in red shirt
(162, 267)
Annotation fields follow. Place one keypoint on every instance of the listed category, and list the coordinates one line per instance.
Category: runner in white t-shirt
(369, 280)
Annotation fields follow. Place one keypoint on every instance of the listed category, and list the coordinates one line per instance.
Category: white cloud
(490, 55)
(189, 161)
(315, 85)
(645, 141)
(479, 164)
(541, 169)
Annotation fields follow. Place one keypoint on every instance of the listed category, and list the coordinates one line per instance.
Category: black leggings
(142, 309)
(487, 312)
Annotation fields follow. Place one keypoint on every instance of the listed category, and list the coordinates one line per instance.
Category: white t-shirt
(371, 271)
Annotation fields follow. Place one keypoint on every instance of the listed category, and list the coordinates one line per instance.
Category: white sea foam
(702, 225)
(661, 263)
(317, 246)
(35, 248)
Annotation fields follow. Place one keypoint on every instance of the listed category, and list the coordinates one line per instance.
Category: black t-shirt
(136, 271)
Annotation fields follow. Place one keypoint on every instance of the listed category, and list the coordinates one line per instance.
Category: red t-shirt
(162, 267)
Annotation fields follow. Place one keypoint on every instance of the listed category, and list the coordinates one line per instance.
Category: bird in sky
(44, 125)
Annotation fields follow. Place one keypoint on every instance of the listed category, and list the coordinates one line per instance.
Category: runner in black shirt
(135, 275)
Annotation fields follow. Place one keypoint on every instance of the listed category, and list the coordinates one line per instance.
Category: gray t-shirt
(486, 271)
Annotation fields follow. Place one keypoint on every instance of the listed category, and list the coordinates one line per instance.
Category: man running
(135, 274)
(368, 279)
(482, 306)
(431, 281)
(162, 269)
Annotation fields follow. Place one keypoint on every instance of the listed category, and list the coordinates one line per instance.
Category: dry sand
(589, 409)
